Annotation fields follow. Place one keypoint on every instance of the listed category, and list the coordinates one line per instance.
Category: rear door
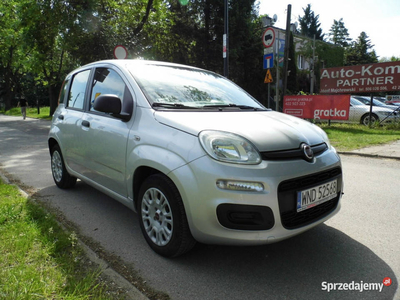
(70, 119)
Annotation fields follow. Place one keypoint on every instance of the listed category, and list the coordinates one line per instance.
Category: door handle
(61, 117)
(86, 123)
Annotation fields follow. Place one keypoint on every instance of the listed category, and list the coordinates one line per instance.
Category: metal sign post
(277, 81)
(268, 39)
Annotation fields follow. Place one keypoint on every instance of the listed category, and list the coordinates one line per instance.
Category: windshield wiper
(221, 106)
(172, 105)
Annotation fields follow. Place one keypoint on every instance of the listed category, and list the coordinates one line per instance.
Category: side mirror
(110, 104)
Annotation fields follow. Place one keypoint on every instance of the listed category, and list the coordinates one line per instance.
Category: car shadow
(297, 268)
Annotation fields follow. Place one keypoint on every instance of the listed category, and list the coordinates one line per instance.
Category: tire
(365, 119)
(162, 217)
(60, 174)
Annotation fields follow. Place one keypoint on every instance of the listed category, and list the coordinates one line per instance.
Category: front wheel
(162, 217)
(60, 174)
(365, 119)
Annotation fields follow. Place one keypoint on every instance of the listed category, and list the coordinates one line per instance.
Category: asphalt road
(360, 245)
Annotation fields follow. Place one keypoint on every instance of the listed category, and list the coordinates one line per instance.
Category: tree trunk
(53, 99)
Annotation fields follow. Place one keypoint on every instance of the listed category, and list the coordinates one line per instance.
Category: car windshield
(378, 103)
(180, 88)
(355, 102)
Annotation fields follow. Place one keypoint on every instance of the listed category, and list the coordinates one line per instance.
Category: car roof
(123, 63)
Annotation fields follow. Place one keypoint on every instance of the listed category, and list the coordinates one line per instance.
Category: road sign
(280, 49)
(268, 50)
(268, 77)
(268, 37)
(268, 61)
(224, 49)
(120, 52)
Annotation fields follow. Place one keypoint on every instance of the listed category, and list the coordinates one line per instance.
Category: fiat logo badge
(308, 153)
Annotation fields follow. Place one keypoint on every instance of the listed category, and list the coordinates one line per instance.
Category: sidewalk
(391, 151)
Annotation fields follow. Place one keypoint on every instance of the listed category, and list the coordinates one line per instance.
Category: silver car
(360, 113)
(193, 154)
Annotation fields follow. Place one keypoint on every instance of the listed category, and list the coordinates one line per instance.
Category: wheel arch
(139, 176)
(52, 142)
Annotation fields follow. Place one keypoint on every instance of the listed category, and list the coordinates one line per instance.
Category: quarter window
(63, 92)
(76, 97)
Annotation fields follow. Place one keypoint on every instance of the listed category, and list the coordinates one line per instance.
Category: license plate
(316, 195)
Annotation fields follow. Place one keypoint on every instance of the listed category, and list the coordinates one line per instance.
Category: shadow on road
(292, 269)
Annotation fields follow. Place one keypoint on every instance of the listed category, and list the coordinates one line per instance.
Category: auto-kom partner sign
(380, 77)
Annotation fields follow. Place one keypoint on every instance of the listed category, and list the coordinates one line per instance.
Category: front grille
(287, 194)
(297, 153)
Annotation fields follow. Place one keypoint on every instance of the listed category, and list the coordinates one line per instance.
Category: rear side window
(108, 82)
(76, 97)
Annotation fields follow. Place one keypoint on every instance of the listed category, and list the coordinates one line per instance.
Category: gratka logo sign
(327, 107)
(329, 114)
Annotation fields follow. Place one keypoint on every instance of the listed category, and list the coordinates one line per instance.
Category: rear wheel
(162, 217)
(365, 119)
(60, 174)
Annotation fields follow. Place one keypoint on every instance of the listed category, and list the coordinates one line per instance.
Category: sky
(379, 19)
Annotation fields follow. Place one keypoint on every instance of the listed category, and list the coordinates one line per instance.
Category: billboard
(327, 107)
(370, 78)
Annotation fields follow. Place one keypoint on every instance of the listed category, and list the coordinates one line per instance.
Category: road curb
(369, 155)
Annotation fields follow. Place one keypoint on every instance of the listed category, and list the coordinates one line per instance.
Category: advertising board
(370, 78)
(326, 107)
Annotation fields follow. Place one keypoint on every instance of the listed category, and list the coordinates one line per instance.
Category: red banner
(328, 107)
(379, 77)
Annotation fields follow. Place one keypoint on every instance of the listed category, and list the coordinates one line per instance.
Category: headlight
(229, 147)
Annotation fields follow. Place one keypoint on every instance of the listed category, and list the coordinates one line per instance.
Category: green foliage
(31, 112)
(38, 259)
(310, 25)
(351, 136)
(339, 34)
(360, 52)
(328, 56)
(42, 40)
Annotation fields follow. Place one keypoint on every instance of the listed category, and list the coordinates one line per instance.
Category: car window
(355, 102)
(63, 91)
(76, 97)
(107, 82)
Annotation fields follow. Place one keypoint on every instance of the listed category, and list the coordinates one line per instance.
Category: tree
(309, 24)
(389, 59)
(194, 37)
(65, 34)
(338, 33)
(359, 52)
(13, 54)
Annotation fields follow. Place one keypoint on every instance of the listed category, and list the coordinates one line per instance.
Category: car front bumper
(222, 216)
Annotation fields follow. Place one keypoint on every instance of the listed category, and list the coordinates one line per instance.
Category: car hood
(267, 130)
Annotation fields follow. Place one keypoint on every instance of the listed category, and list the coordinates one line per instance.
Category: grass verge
(38, 259)
(346, 137)
(31, 112)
